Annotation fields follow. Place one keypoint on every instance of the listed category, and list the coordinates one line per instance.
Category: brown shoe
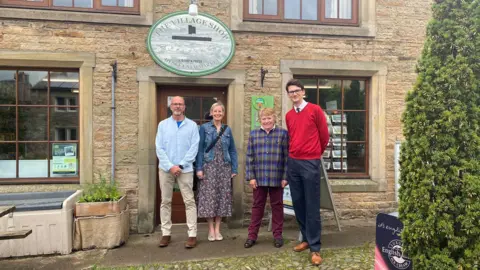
(316, 259)
(191, 242)
(165, 241)
(301, 247)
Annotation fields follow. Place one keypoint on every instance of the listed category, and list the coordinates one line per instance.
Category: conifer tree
(440, 157)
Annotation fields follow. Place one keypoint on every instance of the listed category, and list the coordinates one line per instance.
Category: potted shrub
(101, 217)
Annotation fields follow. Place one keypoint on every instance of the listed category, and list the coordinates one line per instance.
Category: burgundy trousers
(258, 208)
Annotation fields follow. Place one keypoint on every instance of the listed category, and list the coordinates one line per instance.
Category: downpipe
(114, 81)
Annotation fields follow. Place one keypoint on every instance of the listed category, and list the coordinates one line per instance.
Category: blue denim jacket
(208, 133)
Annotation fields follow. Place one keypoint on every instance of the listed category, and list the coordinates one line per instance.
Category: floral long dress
(215, 189)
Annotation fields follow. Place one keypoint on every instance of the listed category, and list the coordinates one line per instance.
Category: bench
(5, 210)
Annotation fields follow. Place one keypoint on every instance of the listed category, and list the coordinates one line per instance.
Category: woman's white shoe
(218, 237)
(211, 238)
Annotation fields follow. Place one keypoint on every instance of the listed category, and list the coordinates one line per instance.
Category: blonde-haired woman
(216, 165)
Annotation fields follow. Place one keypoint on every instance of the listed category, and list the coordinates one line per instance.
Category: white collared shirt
(261, 127)
(301, 107)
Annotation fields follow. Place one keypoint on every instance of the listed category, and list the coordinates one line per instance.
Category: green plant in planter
(102, 191)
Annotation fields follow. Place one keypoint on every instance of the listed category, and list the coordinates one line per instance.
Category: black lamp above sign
(262, 75)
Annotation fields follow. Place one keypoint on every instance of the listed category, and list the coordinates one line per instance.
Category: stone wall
(398, 42)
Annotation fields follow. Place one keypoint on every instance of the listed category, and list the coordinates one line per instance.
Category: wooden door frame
(163, 92)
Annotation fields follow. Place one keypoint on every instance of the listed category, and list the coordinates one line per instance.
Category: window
(65, 104)
(38, 124)
(107, 6)
(344, 101)
(341, 12)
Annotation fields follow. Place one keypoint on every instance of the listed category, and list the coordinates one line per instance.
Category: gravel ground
(334, 259)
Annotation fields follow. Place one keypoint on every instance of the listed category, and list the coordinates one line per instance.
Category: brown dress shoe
(316, 259)
(191, 242)
(301, 247)
(165, 241)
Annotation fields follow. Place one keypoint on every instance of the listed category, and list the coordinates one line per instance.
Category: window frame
(29, 180)
(366, 142)
(354, 21)
(96, 8)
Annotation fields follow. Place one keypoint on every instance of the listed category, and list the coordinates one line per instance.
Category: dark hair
(294, 82)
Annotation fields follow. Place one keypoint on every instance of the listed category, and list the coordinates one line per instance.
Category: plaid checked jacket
(267, 156)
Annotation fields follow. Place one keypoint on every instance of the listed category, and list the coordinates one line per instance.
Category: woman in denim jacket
(215, 170)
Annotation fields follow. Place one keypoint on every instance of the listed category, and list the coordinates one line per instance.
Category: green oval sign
(191, 46)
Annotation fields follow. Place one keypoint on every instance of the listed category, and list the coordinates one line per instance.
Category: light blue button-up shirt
(177, 145)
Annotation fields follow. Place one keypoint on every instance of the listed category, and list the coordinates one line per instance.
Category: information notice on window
(64, 160)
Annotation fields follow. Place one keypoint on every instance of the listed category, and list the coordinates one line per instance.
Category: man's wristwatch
(180, 166)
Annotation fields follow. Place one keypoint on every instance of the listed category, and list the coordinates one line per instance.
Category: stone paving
(334, 259)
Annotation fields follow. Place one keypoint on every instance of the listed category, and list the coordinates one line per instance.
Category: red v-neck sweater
(308, 132)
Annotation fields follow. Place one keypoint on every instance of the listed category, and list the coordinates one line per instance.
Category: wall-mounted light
(193, 8)
(75, 91)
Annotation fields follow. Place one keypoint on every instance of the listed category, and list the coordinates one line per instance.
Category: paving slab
(142, 249)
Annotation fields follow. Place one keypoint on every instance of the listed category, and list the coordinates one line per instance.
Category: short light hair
(218, 103)
(267, 112)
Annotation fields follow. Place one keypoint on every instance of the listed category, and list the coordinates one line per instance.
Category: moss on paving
(334, 259)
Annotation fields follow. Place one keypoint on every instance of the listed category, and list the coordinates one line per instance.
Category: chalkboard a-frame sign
(191, 46)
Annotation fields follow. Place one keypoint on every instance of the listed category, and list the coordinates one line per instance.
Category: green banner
(258, 103)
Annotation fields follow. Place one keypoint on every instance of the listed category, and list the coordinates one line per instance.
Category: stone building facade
(381, 48)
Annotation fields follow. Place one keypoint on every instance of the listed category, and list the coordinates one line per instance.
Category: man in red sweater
(308, 131)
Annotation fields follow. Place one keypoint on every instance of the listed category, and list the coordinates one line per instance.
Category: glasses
(294, 91)
(177, 104)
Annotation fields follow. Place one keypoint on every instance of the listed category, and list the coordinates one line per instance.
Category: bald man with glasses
(177, 146)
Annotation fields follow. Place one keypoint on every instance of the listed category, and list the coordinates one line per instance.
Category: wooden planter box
(100, 208)
(101, 224)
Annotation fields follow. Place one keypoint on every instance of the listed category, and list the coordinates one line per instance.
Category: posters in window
(64, 158)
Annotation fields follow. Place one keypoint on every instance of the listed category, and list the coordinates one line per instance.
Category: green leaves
(439, 207)
(100, 192)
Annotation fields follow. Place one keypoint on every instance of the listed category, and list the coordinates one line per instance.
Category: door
(198, 101)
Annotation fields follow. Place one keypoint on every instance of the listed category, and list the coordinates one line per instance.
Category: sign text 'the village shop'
(191, 46)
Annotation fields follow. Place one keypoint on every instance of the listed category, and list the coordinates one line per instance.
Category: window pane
(311, 91)
(63, 84)
(33, 160)
(64, 160)
(192, 108)
(292, 9)
(270, 7)
(60, 122)
(356, 157)
(331, 9)
(62, 3)
(345, 8)
(7, 160)
(207, 104)
(125, 3)
(330, 94)
(84, 3)
(32, 87)
(309, 9)
(354, 93)
(109, 2)
(7, 124)
(73, 134)
(255, 7)
(7, 87)
(355, 126)
(32, 124)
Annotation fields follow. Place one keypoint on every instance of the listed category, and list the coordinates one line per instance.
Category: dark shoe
(191, 242)
(278, 242)
(249, 243)
(301, 247)
(316, 259)
(165, 241)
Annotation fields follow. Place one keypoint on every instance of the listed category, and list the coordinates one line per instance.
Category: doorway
(198, 101)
